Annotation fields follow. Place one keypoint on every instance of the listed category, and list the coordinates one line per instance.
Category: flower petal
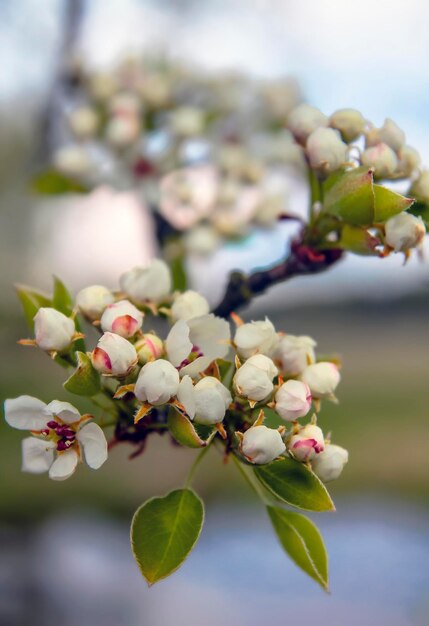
(65, 411)
(211, 334)
(26, 413)
(64, 465)
(186, 396)
(196, 367)
(37, 455)
(94, 444)
(177, 344)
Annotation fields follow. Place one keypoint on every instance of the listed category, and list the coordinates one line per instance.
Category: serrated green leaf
(183, 430)
(389, 203)
(31, 301)
(85, 381)
(351, 197)
(53, 183)
(292, 482)
(164, 531)
(302, 541)
(61, 299)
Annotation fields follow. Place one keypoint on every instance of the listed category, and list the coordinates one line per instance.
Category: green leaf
(62, 300)
(420, 209)
(292, 482)
(389, 203)
(85, 381)
(226, 370)
(164, 531)
(184, 431)
(358, 240)
(31, 301)
(351, 197)
(302, 541)
(53, 183)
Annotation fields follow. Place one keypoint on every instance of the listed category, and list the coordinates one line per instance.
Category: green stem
(249, 481)
(195, 464)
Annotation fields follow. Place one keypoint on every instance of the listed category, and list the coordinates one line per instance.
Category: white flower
(157, 383)
(420, 188)
(409, 160)
(92, 301)
(149, 348)
(382, 158)
(187, 121)
(194, 344)
(114, 355)
(329, 464)
(152, 282)
(253, 379)
(293, 400)
(256, 337)
(404, 231)
(72, 160)
(53, 330)
(307, 443)
(392, 135)
(260, 444)
(206, 402)
(349, 122)
(188, 305)
(304, 119)
(202, 240)
(121, 131)
(295, 353)
(122, 318)
(322, 378)
(326, 150)
(62, 436)
(83, 122)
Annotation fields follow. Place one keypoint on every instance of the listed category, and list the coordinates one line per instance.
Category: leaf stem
(195, 464)
(250, 482)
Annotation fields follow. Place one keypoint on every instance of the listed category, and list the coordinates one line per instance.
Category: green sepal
(85, 381)
(358, 240)
(388, 203)
(185, 432)
(351, 197)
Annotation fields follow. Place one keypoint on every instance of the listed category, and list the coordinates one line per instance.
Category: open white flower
(157, 383)
(194, 344)
(53, 330)
(329, 464)
(322, 378)
(92, 301)
(293, 400)
(206, 402)
(61, 436)
(122, 318)
(152, 282)
(256, 338)
(114, 355)
(254, 379)
(308, 442)
(295, 353)
(261, 444)
(188, 305)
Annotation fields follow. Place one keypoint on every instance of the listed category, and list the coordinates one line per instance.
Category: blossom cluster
(216, 382)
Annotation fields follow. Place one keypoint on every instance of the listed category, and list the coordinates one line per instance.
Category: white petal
(199, 365)
(64, 465)
(186, 395)
(94, 444)
(177, 343)
(26, 413)
(37, 455)
(211, 335)
(65, 411)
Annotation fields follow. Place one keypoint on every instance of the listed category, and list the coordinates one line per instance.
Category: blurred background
(65, 551)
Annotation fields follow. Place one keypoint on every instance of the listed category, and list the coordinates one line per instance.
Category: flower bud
(253, 379)
(293, 400)
(304, 119)
(92, 301)
(392, 135)
(349, 122)
(114, 355)
(420, 188)
(72, 160)
(409, 160)
(256, 337)
(261, 445)
(307, 443)
(53, 330)
(212, 399)
(404, 231)
(149, 348)
(188, 305)
(382, 158)
(122, 131)
(295, 353)
(329, 464)
(157, 383)
(152, 282)
(83, 122)
(326, 150)
(187, 121)
(322, 378)
(122, 318)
